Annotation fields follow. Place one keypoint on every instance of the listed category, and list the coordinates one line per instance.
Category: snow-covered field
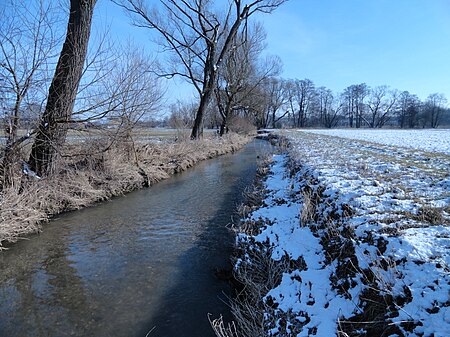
(436, 140)
(364, 215)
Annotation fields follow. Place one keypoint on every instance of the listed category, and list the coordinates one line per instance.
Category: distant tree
(446, 118)
(53, 125)
(411, 111)
(348, 98)
(434, 109)
(328, 107)
(355, 96)
(381, 106)
(360, 93)
(182, 115)
(242, 73)
(300, 97)
(198, 37)
(132, 91)
(257, 107)
(275, 98)
(408, 110)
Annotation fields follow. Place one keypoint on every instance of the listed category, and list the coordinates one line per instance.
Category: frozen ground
(367, 215)
(436, 140)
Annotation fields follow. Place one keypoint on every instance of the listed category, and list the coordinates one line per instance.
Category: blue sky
(404, 44)
(401, 43)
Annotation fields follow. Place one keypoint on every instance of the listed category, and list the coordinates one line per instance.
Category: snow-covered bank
(355, 236)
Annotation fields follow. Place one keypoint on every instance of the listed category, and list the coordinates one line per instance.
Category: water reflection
(141, 261)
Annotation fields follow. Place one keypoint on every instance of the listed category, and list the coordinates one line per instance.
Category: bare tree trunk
(225, 118)
(13, 126)
(11, 153)
(53, 126)
(197, 129)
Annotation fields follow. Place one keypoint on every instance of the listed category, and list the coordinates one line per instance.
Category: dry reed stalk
(258, 275)
(222, 330)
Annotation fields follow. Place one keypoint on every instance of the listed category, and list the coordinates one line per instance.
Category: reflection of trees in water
(68, 293)
(49, 292)
(134, 263)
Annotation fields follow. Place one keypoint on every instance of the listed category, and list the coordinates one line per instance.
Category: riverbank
(345, 237)
(84, 180)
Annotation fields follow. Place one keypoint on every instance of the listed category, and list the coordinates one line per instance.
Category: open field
(139, 134)
(357, 228)
(431, 140)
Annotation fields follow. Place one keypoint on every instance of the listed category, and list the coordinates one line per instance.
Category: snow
(397, 184)
(436, 140)
(313, 294)
(28, 171)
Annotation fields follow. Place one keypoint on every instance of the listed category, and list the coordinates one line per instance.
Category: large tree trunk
(225, 118)
(53, 125)
(197, 129)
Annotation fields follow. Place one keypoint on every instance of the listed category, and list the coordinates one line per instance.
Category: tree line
(52, 80)
(302, 104)
(81, 85)
(274, 102)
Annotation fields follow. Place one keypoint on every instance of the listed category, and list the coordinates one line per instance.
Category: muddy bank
(83, 180)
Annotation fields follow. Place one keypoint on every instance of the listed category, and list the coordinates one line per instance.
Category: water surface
(136, 265)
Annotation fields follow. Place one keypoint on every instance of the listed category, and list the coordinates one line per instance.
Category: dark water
(143, 262)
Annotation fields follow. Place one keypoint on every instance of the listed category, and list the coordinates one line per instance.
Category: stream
(138, 265)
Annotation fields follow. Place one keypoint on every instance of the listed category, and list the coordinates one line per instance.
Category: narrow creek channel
(136, 265)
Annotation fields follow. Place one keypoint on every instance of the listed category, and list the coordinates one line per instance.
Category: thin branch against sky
(403, 44)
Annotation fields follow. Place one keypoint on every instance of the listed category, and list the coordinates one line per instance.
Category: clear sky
(404, 44)
(401, 43)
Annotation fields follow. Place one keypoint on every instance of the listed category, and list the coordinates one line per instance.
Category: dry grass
(223, 330)
(83, 180)
(255, 269)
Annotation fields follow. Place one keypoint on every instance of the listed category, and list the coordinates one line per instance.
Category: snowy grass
(436, 140)
(369, 220)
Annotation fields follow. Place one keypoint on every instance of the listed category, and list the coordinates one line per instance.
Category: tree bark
(53, 125)
(197, 129)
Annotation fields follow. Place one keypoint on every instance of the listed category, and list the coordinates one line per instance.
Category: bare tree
(53, 126)
(124, 92)
(198, 37)
(329, 107)
(28, 44)
(408, 110)
(276, 98)
(434, 109)
(354, 96)
(182, 115)
(137, 88)
(257, 107)
(381, 105)
(242, 73)
(305, 92)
